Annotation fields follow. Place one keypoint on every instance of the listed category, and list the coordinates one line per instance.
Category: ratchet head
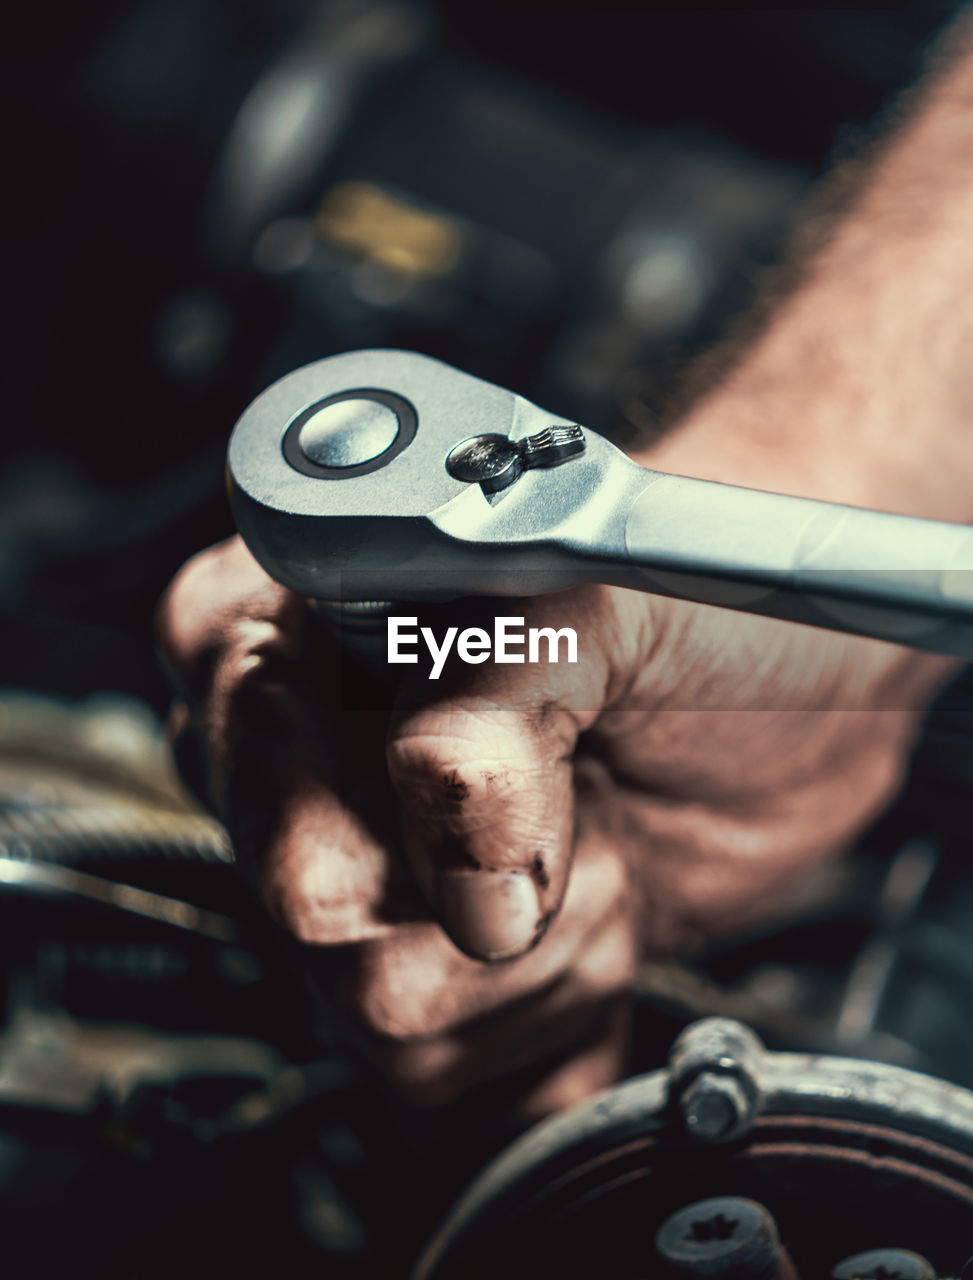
(390, 475)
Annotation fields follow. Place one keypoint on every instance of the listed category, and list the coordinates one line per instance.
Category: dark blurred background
(201, 195)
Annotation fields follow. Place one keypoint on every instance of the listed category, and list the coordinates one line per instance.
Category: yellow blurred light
(365, 220)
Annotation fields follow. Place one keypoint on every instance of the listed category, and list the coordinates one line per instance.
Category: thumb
(483, 772)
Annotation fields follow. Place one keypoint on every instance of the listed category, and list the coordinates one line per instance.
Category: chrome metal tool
(387, 475)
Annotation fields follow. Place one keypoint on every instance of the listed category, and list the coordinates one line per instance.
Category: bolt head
(715, 1107)
(884, 1264)
(721, 1237)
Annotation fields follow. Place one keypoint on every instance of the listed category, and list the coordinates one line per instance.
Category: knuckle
(321, 877)
(219, 602)
(183, 611)
(386, 1019)
(457, 755)
(297, 911)
(402, 993)
(295, 893)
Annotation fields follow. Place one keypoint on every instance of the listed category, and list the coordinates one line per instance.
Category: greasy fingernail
(493, 914)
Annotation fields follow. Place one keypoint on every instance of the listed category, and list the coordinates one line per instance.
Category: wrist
(860, 389)
(837, 401)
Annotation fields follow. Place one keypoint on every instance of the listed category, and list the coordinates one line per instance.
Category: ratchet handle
(892, 577)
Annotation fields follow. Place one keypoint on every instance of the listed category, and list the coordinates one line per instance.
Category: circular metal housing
(349, 434)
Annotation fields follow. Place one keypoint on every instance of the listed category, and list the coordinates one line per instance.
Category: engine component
(883, 1264)
(839, 1152)
(143, 1049)
(726, 1236)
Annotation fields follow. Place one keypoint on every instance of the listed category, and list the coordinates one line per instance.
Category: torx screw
(724, 1237)
(884, 1264)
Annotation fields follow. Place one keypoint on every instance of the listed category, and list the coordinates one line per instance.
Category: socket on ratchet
(387, 475)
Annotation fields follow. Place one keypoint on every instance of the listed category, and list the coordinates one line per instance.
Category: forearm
(861, 388)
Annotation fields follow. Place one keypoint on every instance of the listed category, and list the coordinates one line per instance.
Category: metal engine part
(842, 1153)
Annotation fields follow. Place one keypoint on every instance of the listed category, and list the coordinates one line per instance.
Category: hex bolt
(725, 1238)
(713, 1079)
(715, 1107)
(884, 1264)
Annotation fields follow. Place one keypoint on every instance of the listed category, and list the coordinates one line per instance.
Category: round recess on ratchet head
(349, 434)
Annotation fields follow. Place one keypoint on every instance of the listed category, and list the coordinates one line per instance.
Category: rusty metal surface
(821, 1127)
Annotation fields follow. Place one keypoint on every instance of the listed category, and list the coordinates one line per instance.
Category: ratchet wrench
(387, 475)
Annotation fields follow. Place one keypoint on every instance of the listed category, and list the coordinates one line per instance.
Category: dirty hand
(508, 838)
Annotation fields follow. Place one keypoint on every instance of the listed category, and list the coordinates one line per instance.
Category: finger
(557, 1024)
(221, 598)
(483, 775)
(309, 823)
(468, 1024)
